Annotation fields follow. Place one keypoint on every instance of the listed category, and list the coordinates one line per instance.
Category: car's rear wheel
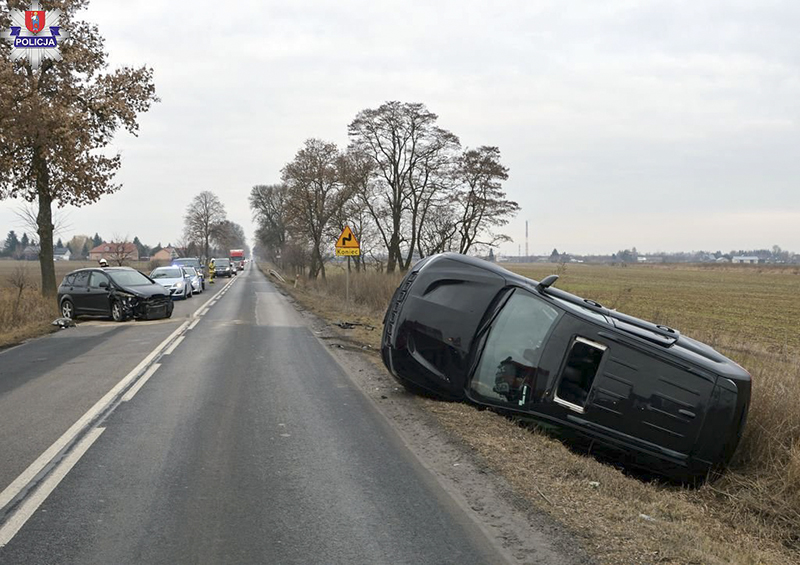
(68, 309)
(117, 314)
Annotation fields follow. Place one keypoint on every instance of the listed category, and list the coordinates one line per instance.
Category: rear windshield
(129, 278)
(166, 274)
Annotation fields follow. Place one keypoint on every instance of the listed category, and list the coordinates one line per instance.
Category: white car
(198, 284)
(175, 279)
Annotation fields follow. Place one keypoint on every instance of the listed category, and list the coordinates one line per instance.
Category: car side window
(81, 278)
(96, 279)
(69, 280)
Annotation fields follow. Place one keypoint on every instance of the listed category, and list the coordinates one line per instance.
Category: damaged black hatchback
(118, 292)
(461, 328)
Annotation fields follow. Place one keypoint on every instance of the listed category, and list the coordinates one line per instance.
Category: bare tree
(204, 217)
(122, 250)
(57, 121)
(268, 203)
(405, 145)
(19, 280)
(315, 196)
(481, 202)
(28, 214)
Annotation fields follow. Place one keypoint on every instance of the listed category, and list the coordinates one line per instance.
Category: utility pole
(526, 241)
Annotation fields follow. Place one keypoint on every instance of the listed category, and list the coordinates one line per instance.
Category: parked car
(463, 329)
(118, 292)
(174, 279)
(198, 284)
(223, 267)
(192, 262)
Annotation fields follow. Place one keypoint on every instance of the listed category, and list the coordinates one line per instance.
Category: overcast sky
(662, 125)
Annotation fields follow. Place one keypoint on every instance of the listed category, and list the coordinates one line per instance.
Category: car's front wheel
(117, 314)
(68, 309)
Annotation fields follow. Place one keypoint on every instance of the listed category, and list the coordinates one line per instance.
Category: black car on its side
(464, 329)
(118, 292)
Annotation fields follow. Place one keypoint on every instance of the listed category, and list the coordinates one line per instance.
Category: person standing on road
(211, 271)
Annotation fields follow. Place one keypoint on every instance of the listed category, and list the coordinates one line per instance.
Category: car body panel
(674, 403)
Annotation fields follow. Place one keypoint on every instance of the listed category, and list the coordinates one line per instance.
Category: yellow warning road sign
(347, 240)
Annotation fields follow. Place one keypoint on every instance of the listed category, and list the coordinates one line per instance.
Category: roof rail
(662, 330)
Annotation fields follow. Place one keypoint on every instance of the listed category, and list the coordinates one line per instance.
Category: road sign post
(347, 246)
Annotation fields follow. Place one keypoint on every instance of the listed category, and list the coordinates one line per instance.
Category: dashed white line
(140, 383)
(193, 324)
(32, 503)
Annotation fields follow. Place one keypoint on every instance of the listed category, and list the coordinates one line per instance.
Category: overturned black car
(461, 328)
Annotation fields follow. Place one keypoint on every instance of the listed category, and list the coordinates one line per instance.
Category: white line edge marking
(174, 345)
(140, 383)
(32, 503)
(193, 324)
(203, 313)
(41, 462)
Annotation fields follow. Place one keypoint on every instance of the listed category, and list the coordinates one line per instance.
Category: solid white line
(41, 462)
(143, 379)
(174, 345)
(193, 324)
(32, 503)
(203, 313)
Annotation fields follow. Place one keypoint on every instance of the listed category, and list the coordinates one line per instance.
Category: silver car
(198, 284)
(174, 279)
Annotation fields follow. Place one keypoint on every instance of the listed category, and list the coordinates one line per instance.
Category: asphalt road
(240, 440)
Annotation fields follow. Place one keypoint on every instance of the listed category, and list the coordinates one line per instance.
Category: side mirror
(103, 284)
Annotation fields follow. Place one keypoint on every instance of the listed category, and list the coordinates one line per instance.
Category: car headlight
(179, 285)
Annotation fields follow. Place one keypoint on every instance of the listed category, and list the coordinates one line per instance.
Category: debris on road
(64, 323)
(351, 325)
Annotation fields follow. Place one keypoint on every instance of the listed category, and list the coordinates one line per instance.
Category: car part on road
(464, 329)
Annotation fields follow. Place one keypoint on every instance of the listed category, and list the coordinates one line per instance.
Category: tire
(117, 314)
(68, 309)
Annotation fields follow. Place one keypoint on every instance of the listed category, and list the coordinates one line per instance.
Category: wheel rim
(66, 310)
(116, 311)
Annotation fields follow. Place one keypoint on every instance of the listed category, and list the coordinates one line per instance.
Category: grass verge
(750, 515)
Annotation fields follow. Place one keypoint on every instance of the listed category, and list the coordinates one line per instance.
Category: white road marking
(203, 313)
(174, 345)
(193, 324)
(69, 436)
(140, 383)
(32, 503)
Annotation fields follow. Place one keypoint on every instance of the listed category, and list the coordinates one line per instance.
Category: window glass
(69, 280)
(167, 273)
(82, 278)
(130, 278)
(510, 359)
(96, 279)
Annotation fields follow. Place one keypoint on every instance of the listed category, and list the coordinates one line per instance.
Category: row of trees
(207, 231)
(404, 185)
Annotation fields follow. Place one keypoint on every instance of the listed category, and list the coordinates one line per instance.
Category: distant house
(723, 259)
(114, 252)
(30, 253)
(61, 254)
(165, 255)
(747, 259)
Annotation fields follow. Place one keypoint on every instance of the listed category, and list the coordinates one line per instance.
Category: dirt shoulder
(545, 501)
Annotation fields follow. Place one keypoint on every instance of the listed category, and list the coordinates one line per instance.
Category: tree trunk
(44, 221)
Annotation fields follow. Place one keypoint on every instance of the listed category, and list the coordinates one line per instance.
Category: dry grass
(750, 515)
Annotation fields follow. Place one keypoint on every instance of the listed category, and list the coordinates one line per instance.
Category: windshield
(166, 274)
(190, 271)
(222, 262)
(129, 278)
(510, 360)
(193, 262)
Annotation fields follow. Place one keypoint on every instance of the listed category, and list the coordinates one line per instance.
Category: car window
(190, 271)
(96, 279)
(173, 273)
(81, 278)
(509, 364)
(129, 278)
(69, 280)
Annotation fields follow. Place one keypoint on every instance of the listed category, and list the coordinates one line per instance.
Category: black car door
(79, 292)
(97, 297)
